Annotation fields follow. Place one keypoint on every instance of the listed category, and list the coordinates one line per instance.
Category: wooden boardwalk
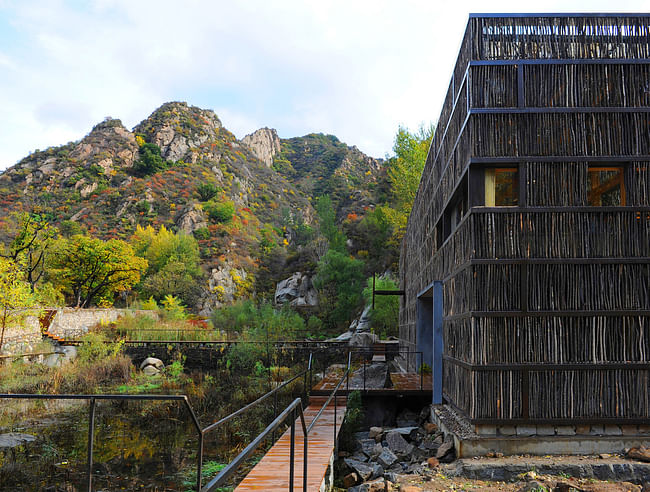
(272, 472)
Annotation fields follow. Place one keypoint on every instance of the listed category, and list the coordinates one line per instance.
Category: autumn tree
(93, 271)
(16, 297)
(404, 173)
(26, 238)
(174, 263)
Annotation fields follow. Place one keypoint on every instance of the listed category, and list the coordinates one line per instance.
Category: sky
(356, 69)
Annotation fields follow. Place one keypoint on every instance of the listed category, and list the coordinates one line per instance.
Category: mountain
(183, 169)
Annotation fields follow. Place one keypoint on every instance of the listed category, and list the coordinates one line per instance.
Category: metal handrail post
(91, 438)
(305, 450)
(347, 382)
(199, 465)
(292, 451)
(335, 408)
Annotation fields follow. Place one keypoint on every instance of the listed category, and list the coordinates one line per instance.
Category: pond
(134, 449)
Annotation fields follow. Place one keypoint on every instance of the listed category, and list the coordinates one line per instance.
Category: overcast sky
(355, 69)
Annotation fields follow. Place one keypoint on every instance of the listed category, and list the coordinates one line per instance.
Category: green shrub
(244, 358)
(207, 191)
(220, 212)
(150, 161)
(354, 417)
(96, 347)
(384, 317)
(202, 233)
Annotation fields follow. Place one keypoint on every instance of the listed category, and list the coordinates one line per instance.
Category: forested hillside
(180, 208)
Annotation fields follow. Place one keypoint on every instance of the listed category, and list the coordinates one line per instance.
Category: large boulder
(363, 340)
(376, 377)
(296, 290)
(152, 366)
(362, 324)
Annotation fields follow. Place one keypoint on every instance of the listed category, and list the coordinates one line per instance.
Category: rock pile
(384, 453)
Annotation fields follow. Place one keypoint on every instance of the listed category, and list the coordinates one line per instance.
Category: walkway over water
(272, 472)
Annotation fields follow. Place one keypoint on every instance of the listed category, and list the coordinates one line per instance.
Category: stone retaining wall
(73, 323)
(22, 338)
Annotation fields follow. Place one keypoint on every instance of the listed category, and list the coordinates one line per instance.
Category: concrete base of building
(486, 440)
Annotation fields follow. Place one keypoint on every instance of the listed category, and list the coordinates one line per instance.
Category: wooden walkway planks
(272, 472)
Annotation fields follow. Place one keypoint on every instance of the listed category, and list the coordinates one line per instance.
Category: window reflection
(501, 187)
(605, 186)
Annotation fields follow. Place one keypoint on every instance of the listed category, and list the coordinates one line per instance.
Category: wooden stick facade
(534, 210)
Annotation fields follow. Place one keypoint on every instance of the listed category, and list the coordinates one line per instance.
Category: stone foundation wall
(21, 338)
(548, 430)
(73, 323)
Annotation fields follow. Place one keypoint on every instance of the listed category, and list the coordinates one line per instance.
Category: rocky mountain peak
(264, 143)
(180, 130)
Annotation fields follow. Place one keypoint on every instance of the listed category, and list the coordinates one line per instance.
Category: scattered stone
(350, 480)
(386, 458)
(405, 431)
(446, 452)
(368, 447)
(375, 432)
(359, 457)
(15, 439)
(641, 453)
(444, 449)
(398, 444)
(433, 462)
(364, 470)
(430, 427)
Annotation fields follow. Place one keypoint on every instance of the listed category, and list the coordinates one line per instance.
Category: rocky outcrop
(225, 285)
(264, 143)
(296, 290)
(180, 130)
(191, 218)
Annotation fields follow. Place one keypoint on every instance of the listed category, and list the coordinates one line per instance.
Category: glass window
(605, 186)
(501, 187)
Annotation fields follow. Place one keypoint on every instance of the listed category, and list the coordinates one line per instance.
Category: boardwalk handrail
(231, 468)
(91, 418)
(289, 411)
(236, 413)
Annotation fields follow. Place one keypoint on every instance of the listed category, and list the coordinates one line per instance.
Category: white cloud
(354, 69)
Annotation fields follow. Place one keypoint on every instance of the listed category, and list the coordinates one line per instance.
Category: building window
(606, 186)
(501, 187)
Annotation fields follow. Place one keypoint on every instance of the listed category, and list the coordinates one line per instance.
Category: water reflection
(132, 451)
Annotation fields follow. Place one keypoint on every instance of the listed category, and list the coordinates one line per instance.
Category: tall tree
(91, 270)
(339, 282)
(404, 173)
(327, 224)
(26, 239)
(174, 263)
